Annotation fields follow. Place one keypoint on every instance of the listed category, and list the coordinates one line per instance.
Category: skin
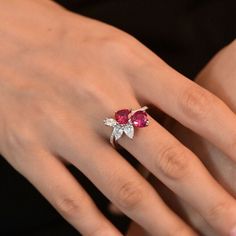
(61, 75)
(219, 78)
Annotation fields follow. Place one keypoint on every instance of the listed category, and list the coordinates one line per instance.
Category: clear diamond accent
(110, 122)
(129, 130)
(125, 122)
(117, 132)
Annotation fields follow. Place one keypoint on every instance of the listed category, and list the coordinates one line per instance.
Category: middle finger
(123, 185)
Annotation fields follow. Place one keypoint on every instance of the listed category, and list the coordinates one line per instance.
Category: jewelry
(125, 121)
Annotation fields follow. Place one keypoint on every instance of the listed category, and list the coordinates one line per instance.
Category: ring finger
(179, 169)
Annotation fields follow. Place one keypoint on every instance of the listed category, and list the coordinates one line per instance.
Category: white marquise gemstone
(117, 132)
(110, 122)
(129, 131)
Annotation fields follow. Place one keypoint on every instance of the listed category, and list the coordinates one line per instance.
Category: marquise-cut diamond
(110, 122)
(129, 130)
(117, 132)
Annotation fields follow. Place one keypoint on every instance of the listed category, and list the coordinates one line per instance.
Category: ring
(125, 121)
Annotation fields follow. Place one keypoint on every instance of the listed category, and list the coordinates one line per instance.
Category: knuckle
(218, 210)
(92, 92)
(96, 94)
(20, 139)
(121, 45)
(68, 206)
(172, 162)
(116, 42)
(129, 196)
(196, 102)
(21, 147)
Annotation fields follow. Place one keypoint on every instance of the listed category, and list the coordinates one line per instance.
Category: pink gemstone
(139, 119)
(122, 116)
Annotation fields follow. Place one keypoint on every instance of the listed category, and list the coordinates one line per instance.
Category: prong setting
(125, 121)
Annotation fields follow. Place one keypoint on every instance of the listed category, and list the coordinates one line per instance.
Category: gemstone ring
(125, 121)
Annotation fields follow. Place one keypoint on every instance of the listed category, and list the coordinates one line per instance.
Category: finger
(60, 188)
(128, 190)
(179, 169)
(190, 104)
(135, 230)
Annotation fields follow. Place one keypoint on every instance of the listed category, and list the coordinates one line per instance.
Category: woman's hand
(219, 77)
(60, 75)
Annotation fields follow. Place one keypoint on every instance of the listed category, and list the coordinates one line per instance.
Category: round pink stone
(122, 116)
(139, 119)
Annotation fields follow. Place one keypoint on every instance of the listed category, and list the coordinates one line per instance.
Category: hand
(219, 78)
(61, 75)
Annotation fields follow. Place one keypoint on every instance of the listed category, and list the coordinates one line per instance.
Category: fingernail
(233, 232)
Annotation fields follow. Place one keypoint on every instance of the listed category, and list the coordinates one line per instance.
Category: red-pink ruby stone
(122, 116)
(139, 119)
